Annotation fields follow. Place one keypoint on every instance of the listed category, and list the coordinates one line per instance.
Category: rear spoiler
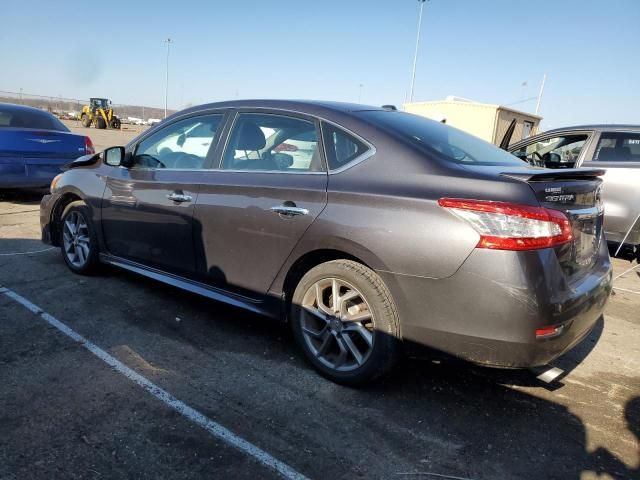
(560, 174)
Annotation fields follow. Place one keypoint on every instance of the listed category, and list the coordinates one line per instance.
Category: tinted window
(555, 152)
(181, 145)
(273, 143)
(341, 147)
(618, 147)
(447, 142)
(15, 118)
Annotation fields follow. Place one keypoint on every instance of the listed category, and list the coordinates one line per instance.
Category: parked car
(34, 145)
(614, 148)
(394, 229)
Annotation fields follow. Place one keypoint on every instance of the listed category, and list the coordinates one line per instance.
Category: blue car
(34, 145)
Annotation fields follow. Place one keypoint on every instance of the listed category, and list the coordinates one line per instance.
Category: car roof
(313, 107)
(600, 126)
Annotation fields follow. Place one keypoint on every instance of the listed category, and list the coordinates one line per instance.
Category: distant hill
(63, 107)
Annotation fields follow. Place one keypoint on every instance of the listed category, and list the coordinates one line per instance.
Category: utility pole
(544, 78)
(166, 87)
(415, 56)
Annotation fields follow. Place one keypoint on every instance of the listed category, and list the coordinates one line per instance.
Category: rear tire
(352, 341)
(79, 245)
(86, 121)
(100, 123)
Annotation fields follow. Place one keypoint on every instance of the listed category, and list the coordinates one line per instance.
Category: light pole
(166, 87)
(360, 92)
(415, 56)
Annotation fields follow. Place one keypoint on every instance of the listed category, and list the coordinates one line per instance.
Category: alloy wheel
(337, 324)
(77, 244)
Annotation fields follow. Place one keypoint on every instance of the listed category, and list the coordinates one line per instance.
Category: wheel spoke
(325, 343)
(316, 313)
(335, 293)
(360, 330)
(80, 253)
(350, 295)
(315, 333)
(70, 226)
(352, 347)
(342, 356)
(358, 317)
(320, 301)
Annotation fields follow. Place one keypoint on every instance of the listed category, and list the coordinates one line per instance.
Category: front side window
(273, 143)
(618, 147)
(181, 145)
(341, 147)
(556, 152)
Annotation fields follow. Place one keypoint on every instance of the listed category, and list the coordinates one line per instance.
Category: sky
(344, 50)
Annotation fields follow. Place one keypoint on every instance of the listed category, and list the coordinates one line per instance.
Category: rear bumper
(29, 174)
(488, 311)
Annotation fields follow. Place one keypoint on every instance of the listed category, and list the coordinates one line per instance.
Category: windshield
(450, 143)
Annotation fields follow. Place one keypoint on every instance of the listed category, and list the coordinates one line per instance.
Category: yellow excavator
(99, 114)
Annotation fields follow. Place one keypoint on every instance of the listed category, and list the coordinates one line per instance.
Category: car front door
(148, 205)
(251, 211)
(618, 152)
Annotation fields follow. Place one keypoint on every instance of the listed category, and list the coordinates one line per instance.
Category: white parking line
(209, 425)
(26, 253)
(625, 272)
(626, 290)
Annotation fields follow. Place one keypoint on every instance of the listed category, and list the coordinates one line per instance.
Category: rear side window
(445, 142)
(342, 148)
(17, 118)
(618, 147)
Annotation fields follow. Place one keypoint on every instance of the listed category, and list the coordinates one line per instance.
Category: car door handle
(289, 211)
(179, 197)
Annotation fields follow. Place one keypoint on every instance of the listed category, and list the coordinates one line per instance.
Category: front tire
(100, 123)
(78, 240)
(86, 121)
(353, 339)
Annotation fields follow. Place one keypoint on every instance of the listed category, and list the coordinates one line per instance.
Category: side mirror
(114, 156)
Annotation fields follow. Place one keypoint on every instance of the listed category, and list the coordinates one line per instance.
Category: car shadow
(23, 196)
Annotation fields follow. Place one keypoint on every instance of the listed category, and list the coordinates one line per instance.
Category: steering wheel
(539, 162)
(151, 161)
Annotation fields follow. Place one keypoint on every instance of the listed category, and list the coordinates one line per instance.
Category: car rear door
(618, 152)
(148, 206)
(254, 208)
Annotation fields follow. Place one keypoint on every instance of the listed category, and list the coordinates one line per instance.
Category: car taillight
(510, 226)
(88, 146)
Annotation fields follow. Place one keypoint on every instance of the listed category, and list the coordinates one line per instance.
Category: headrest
(612, 154)
(250, 137)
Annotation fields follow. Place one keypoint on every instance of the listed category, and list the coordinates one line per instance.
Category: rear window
(447, 142)
(17, 118)
(342, 148)
(618, 147)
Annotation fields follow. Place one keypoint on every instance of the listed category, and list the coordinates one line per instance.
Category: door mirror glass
(114, 156)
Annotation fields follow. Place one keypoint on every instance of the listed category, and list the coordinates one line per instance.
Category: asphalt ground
(65, 413)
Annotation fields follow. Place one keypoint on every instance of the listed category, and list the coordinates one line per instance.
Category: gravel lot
(106, 138)
(64, 413)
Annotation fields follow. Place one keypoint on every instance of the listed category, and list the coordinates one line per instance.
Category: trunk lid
(577, 193)
(25, 143)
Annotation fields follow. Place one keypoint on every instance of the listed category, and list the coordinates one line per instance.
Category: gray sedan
(385, 229)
